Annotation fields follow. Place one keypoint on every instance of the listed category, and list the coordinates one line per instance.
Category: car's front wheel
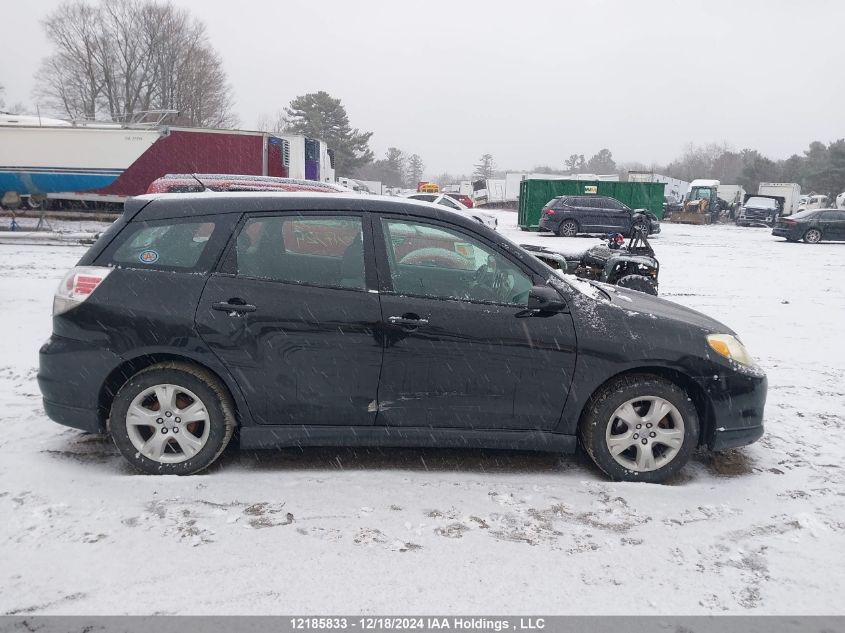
(640, 427)
(813, 236)
(172, 419)
(568, 228)
(638, 282)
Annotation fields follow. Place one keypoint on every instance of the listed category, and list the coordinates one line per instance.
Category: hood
(655, 307)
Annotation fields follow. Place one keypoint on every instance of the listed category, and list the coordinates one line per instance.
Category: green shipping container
(534, 194)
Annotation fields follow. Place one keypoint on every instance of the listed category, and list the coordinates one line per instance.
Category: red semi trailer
(197, 150)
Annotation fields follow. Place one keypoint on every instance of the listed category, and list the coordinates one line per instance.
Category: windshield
(762, 203)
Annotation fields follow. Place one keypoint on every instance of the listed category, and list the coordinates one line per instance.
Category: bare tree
(275, 124)
(125, 56)
(71, 78)
(485, 167)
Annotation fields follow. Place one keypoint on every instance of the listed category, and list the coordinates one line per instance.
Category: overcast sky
(529, 82)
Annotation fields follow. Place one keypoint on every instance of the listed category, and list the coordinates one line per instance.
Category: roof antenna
(202, 184)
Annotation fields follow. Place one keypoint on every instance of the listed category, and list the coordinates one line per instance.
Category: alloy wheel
(813, 236)
(168, 423)
(568, 229)
(645, 433)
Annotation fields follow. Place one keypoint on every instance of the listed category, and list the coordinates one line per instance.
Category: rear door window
(320, 251)
(189, 244)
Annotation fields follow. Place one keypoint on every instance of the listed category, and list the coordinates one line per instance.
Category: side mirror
(545, 299)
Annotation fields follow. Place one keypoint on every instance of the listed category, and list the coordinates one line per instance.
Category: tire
(642, 226)
(636, 396)
(812, 236)
(638, 282)
(568, 228)
(167, 444)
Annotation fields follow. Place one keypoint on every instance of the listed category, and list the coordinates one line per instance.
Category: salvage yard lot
(399, 530)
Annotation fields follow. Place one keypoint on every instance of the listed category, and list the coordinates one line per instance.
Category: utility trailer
(198, 150)
(99, 165)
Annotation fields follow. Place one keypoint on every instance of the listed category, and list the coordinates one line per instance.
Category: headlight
(730, 347)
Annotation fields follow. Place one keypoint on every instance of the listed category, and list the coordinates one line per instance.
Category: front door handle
(233, 305)
(407, 320)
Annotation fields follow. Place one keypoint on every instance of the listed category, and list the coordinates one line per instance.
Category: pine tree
(415, 170)
(318, 115)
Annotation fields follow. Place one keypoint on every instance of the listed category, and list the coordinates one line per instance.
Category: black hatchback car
(569, 215)
(321, 319)
(812, 226)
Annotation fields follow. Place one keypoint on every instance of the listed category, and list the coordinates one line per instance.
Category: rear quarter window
(188, 245)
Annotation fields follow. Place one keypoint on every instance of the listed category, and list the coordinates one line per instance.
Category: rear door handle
(406, 321)
(229, 306)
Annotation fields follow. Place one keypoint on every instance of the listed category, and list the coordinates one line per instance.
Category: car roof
(160, 206)
(226, 181)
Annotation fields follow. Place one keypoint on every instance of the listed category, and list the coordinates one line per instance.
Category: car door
(461, 348)
(836, 224)
(578, 208)
(294, 315)
(617, 216)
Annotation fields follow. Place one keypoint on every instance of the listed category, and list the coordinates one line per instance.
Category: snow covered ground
(754, 531)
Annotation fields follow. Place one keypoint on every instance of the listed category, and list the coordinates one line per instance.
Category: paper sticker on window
(591, 189)
(148, 257)
(464, 248)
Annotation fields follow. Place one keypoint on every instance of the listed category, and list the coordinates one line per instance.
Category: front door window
(430, 261)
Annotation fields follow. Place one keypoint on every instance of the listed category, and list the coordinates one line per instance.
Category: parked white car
(813, 202)
(441, 198)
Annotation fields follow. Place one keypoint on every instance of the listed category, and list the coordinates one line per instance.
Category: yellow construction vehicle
(701, 204)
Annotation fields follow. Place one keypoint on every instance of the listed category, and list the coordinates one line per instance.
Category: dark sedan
(812, 226)
(569, 215)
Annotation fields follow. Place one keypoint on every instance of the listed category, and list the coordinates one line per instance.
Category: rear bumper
(71, 375)
(549, 224)
(83, 419)
(791, 234)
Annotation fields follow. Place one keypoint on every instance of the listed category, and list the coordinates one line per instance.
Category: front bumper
(759, 218)
(737, 400)
(724, 439)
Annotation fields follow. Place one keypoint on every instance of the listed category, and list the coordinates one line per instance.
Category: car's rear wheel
(640, 427)
(638, 282)
(172, 419)
(813, 236)
(568, 228)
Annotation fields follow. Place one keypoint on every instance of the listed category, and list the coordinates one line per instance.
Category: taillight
(788, 222)
(77, 286)
(548, 211)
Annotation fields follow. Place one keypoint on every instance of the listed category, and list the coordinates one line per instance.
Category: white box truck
(789, 191)
(772, 200)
